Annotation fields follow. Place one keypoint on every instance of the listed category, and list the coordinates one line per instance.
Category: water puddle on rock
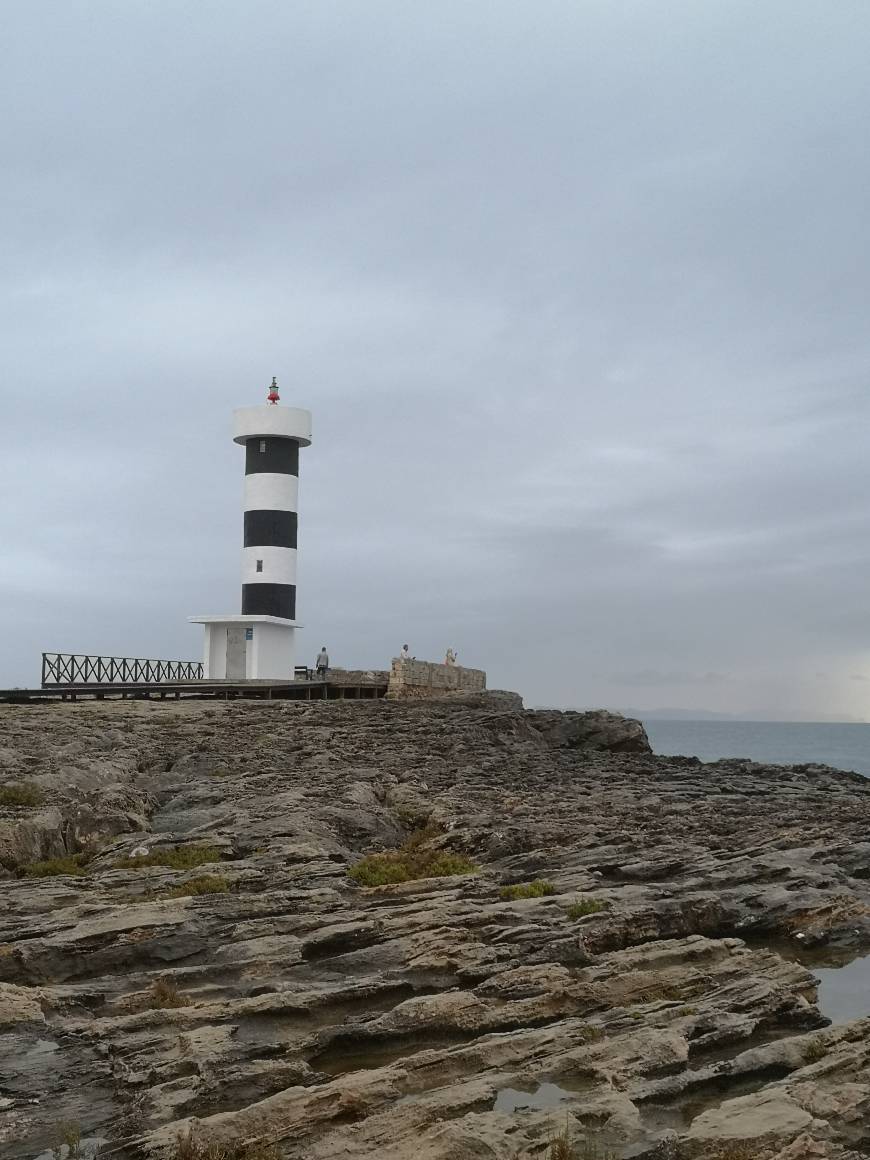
(359, 1054)
(844, 991)
(542, 1096)
(678, 1114)
(49, 1087)
(843, 974)
(546, 1095)
(87, 1148)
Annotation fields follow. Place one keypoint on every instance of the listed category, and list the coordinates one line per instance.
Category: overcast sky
(576, 290)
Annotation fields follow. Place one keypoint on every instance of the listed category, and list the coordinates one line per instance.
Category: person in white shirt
(321, 665)
(405, 654)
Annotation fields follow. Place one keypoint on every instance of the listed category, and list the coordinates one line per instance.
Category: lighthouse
(258, 644)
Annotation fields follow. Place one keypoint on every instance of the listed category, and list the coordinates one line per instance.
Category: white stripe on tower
(266, 564)
(271, 491)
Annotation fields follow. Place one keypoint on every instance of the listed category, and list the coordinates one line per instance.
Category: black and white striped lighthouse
(259, 644)
(271, 436)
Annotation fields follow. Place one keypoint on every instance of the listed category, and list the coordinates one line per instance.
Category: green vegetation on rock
(536, 889)
(69, 864)
(202, 884)
(22, 793)
(178, 858)
(584, 906)
(411, 861)
(68, 1137)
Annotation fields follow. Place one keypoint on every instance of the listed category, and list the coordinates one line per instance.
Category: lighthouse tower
(259, 644)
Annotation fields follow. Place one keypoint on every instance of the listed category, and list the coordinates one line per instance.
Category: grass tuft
(411, 861)
(736, 1150)
(177, 858)
(446, 864)
(412, 817)
(23, 793)
(536, 889)
(202, 884)
(69, 864)
(584, 906)
(165, 994)
(563, 1147)
(189, 1147)
(381, 870)
(815, 1050)
(68, 1133)
(591, 1033)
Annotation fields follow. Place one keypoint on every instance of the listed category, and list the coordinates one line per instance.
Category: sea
(845, 746)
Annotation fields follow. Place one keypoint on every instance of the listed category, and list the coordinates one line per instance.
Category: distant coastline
(841, 744)
(714, 715)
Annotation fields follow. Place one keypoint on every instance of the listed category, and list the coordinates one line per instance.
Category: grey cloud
(577, 296)
(654, 678)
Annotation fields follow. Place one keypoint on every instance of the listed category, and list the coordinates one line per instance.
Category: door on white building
(237, 651)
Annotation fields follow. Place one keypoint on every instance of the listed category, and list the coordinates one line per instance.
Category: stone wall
(423, 679)
(358, 676)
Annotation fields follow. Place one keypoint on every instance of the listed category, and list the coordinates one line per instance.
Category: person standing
(405, 654)
(321, 665)
(450, 659)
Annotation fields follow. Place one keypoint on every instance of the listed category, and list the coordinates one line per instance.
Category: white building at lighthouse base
(248, 648)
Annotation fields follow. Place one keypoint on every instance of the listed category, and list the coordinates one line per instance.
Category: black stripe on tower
(278, 455)
(269, 600)
(273, 529)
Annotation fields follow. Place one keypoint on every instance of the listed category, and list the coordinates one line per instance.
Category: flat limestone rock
(19, 1005)
(567, 932)
(753, 1117)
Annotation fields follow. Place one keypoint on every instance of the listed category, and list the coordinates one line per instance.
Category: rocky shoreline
(184, 953)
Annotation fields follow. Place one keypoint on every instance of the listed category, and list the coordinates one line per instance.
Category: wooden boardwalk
(202, 690)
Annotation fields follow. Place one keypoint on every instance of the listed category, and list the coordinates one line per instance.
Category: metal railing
(68, 669)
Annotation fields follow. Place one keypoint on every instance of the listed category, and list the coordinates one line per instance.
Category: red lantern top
(273, 391)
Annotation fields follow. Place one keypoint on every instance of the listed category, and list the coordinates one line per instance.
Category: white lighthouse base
(248, 648)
